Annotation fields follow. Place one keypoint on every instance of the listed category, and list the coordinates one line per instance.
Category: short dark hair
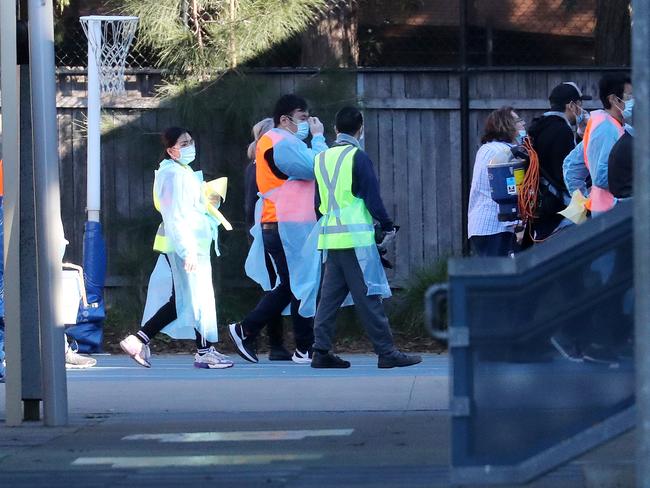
(348, 120)
(287, 104)
(170, 136)
(612, 84)
(500, 126)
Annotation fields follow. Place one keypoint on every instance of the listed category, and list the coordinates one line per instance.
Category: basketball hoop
(109, 40)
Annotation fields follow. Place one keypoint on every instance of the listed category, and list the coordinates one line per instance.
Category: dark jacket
(620, 167)
(553, 140)
(250, 194)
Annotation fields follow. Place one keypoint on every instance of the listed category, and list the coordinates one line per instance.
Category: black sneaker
(279, 353)
(329, 360)
(397, 359)
(245, 346)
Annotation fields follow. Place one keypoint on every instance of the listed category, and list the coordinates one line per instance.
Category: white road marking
(169, 461)
(262, 435)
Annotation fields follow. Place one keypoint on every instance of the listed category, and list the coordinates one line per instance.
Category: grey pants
(342, 274)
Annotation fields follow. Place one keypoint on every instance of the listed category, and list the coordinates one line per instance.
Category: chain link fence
(427, 33)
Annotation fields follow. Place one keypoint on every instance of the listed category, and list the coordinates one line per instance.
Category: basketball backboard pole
(48, 210)
(93, 149)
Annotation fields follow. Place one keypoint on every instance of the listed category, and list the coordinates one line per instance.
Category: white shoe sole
(213, 366)
(79, 366)
(558, 347)
(239, 344)
(135, 357)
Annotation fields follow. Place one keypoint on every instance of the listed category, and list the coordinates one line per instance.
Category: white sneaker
(77, 361)
(302, 357)
(137, 350)
(212, 359)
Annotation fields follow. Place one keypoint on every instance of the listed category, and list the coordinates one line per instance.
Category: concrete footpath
(274, 424)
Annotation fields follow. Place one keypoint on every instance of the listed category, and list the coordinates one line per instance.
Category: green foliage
(240, 100)
(197, 38)
(406, 309)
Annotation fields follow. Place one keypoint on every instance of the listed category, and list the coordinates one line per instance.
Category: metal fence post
(11, 155)
(641, 82)
(48, 213)
(465, 172)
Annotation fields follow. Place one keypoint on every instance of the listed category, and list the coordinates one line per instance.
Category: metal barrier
(541, 352)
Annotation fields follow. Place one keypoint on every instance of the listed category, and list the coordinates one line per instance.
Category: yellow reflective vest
(346, 222)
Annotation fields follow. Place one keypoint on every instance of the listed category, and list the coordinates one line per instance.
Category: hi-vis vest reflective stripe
(346, 221)
(161, 242)
(600, 199)
(266, 180)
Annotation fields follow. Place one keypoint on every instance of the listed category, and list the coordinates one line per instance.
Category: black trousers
(501, 244)
(165, 316)
(275, 325)
(274, 302)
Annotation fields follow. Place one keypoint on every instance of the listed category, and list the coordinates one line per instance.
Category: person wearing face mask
(277, 350)
(604, 128)
(284, 217)
(620, 163)
(553, 136)
(185, 238)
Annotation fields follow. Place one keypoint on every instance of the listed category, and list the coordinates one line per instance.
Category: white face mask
(187, 155)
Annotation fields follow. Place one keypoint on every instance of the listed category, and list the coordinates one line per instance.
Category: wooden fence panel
(412, 134)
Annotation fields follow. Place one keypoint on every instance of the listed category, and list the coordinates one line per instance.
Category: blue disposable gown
(191, 231)
(294, 202)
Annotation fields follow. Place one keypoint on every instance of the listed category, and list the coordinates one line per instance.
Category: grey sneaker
(212, 359)
(77, 361)
(398, 359)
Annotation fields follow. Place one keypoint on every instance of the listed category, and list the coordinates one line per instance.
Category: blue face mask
(303, 130)
(627, 112)
(580, 117)
(188, 154)
(520, 136)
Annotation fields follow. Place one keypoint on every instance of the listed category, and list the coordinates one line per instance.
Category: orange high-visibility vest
(600, 199)
(266, 179)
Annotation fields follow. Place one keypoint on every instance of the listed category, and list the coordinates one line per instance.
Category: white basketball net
(110, 48)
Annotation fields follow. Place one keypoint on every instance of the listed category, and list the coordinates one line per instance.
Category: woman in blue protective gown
(185, 238)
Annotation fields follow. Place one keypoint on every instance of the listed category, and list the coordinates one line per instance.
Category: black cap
(566, 92)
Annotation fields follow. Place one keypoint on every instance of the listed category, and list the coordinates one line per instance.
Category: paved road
(118, 385)
(266, 425)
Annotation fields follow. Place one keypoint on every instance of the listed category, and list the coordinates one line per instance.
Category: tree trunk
(333, 41)
(613, 31)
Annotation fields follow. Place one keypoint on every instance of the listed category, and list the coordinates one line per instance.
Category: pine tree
(199, 38)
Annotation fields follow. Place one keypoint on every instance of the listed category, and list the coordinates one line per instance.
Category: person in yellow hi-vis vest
(190, 222)
(348, 199)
